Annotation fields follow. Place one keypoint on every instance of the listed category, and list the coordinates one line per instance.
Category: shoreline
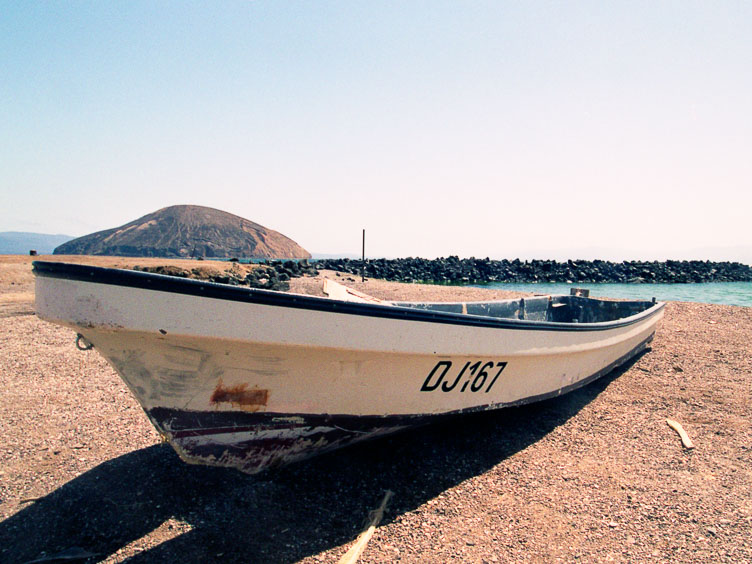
(721, 293)
(595, 475)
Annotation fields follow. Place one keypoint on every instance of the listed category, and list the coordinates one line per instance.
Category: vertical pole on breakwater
(363, 263)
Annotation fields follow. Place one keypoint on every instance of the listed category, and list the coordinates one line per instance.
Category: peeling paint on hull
(265, 447)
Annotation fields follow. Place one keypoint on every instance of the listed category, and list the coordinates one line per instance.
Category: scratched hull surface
(252, 379)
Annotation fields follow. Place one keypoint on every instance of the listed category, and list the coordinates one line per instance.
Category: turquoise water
(729, 293)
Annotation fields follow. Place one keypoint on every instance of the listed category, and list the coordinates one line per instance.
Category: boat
(253, 379)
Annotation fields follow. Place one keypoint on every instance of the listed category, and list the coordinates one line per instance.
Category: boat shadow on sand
(280, 516)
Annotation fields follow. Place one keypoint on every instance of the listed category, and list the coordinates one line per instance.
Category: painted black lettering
(502, 366)
(473, 370)
(427, 386)
(447, 388)
(480, 379)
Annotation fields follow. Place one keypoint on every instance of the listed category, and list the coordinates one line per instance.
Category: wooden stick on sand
(356, 550)
(676, 426)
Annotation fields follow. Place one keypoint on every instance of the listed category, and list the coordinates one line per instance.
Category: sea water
(729, 293)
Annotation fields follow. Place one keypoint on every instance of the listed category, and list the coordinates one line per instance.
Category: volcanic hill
(187, 231)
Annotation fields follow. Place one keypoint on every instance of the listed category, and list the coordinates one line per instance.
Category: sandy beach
(593, 476)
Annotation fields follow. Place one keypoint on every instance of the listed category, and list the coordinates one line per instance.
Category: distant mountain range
(187, 231)
(20, 242)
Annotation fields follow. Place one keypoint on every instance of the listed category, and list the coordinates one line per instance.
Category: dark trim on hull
(255, 455)
(186, 428)
(175, 285)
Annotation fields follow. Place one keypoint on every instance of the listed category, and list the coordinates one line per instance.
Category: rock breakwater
(275, 274)
(270, 275)
(454, 270)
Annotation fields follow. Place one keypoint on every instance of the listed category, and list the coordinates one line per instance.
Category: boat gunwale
(201, 288)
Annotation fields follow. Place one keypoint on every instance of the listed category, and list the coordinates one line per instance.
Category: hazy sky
(495, 129)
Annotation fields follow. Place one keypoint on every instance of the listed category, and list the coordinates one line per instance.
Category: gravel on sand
(595, 475)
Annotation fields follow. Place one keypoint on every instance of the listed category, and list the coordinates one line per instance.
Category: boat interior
(562, 309)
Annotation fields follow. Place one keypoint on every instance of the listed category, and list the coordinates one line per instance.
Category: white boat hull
(253, 379)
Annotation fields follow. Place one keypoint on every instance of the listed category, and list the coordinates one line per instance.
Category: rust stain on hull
(240, 396)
